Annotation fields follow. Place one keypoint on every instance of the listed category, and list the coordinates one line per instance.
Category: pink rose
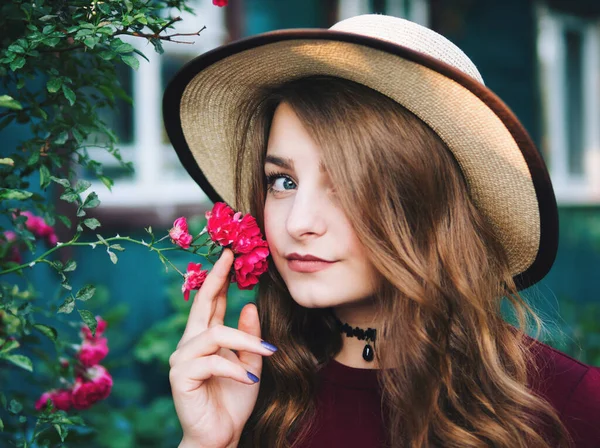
(179, 233)
(220, 3)
(194, 278)
(37, 226)
(13, 254)
(87, 333)
(94, 386)
(222, 224)
(248, 267)
(92, 352)
(61, 399)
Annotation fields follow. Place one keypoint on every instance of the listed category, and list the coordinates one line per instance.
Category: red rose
(62, 400)
(95, 387)
(248, 236)
(248, 267)
(179, 233)
(194, 278)
(92, 352)
(220, 3)
(222, 224)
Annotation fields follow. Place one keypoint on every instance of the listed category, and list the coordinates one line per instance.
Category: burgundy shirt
(350, 416)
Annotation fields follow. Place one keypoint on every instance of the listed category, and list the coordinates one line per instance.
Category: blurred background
(541, 57)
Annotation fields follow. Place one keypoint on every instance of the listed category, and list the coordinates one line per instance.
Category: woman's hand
(212, 385)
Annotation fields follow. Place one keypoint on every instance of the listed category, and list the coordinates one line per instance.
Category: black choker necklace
(369, 335)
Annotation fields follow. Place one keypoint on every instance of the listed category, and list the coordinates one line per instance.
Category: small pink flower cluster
(37, 226)
(220, 3)
(92, 381)
(226, 228)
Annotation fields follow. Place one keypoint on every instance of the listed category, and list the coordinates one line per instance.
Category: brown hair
(454, 372)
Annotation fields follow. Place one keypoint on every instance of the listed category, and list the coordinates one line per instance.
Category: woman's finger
(185, 377)
(205, 301)
(209, 342)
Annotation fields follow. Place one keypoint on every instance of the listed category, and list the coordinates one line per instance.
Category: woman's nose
(306, 215)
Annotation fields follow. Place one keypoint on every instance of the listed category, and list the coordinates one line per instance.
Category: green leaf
(67, 306)
(107, 181)
(47, 331)
(20, 361)
(102, 240)
(64, 182)
(80, 214)
(7, 161)
(90, 41)
(62, 138)
(89, 319)
(117, 247)
(18, 195)
(86, 293)
(9, 102)
(131, 61)
(16, 48)
(9, 346)
(82, 185)
(44, 176)
(107, 55)
(69, 94)
(1, 425)
(136, 51)
(92, 223)
(54, 84)
(48, 29)
(66, 221)
(70, 196)
(47, 17)
(14, 407)
(62, 431)
(91, 200)
(113, 257)
(17, 64)
(70, 266)
(124, 47)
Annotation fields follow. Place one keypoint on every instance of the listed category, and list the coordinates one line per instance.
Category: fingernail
(268, 346)
(253, 377)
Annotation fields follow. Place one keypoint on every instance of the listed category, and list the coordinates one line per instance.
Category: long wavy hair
(454, 372)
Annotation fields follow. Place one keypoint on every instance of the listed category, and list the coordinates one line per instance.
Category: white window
(159, 179)
(569, 69)
(413, 10)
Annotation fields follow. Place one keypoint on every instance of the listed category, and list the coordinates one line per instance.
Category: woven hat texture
(413, 65)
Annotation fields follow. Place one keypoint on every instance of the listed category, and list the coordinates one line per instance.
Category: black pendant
(368, 353)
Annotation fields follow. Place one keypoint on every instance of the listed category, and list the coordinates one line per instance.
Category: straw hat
(409, 63)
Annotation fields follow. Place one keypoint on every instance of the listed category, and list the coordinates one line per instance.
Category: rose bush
(57, 71)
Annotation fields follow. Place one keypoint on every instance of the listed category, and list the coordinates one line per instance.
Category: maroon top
(349, 402)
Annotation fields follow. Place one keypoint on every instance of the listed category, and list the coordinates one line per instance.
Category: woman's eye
(279, 182)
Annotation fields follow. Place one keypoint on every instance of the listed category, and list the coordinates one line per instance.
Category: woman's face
(302, 218)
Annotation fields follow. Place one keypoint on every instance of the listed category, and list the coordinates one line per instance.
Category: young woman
(405, 207)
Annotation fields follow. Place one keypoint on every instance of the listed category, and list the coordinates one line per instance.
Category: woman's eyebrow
(287, 163)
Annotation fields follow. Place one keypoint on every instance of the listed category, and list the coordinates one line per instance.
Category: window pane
(574, 100)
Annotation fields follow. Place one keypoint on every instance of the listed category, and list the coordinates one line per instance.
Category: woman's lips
(308, 266)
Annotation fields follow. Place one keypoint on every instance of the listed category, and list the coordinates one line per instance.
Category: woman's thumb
(249, 323)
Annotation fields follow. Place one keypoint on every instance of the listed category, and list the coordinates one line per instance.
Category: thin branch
(157, 36)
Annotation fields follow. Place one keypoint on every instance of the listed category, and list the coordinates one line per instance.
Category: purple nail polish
(268, 346)
(252, 377)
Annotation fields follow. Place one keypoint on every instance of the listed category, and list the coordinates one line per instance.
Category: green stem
(41, 258)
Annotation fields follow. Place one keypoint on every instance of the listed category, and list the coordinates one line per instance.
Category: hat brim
(507, 177)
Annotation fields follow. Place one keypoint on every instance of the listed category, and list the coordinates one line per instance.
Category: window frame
(570, 189)
(150, 185)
